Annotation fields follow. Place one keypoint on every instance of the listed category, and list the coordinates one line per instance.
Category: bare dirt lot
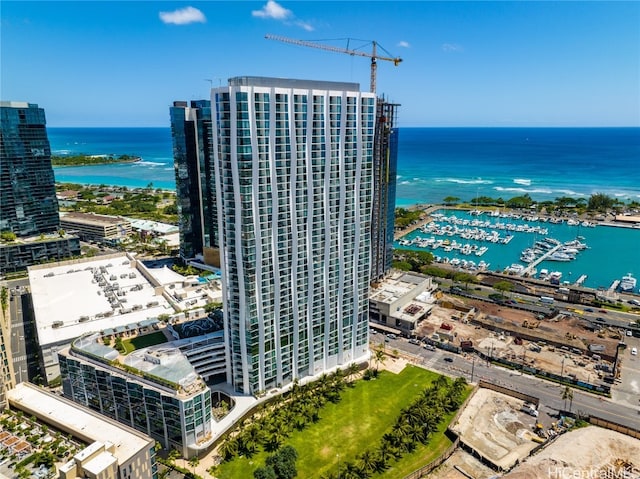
(564, 330)
(462, 465)
(591, 452)
(493, 425)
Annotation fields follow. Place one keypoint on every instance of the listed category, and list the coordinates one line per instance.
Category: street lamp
(562, 369)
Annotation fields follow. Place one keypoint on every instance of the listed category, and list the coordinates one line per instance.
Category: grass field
(140, 342)
(354, 424)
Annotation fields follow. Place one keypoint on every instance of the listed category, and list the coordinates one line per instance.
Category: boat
(559, 256)
(554, 277)
(627, 283)
(543, 273)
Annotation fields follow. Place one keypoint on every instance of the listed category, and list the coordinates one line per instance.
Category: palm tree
(193, 462)
(367, 462)
(229, 449)
(567, 393)
(379, 356)
(352, 370)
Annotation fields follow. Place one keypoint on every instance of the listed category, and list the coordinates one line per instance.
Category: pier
(614, 285)
(539, 260)
(581, 280)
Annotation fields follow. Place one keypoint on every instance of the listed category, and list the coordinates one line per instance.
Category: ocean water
(545, 163)
(434, 163)
(153, 145)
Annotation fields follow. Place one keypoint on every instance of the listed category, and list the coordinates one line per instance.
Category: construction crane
(373, 55)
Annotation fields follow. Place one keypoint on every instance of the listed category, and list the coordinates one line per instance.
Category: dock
(539, 260)
(614, 286)
(580, 280)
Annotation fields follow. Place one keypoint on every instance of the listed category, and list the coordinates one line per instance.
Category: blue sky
(91, 63)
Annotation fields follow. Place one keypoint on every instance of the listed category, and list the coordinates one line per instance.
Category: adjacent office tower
(293, 172)
(385, 168)
(28, 203)
(197, 212)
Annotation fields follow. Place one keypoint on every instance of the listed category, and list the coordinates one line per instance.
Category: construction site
(559, 344)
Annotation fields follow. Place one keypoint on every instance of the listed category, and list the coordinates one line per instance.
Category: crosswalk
(17, 359)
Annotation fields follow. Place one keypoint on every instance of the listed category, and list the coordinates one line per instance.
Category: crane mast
(373, 55)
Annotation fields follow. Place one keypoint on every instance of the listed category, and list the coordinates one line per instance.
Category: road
(23, 337)
(549, 393)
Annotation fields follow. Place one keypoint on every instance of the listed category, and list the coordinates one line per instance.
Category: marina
(559, 250)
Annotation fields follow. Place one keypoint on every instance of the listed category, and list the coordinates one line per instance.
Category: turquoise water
(612, 253)
(433, 163)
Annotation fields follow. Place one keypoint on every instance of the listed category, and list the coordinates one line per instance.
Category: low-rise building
(400, 301)
(115, 451)
(93, 227)
(23, 252)
(155, 390)
(114, 292)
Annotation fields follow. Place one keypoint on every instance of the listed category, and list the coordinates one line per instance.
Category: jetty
(539, 260)
(614, 286)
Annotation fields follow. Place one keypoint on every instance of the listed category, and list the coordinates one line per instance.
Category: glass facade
(176, 422)
(294, 165)
(385, 168)
(28, 203)
(196, 202)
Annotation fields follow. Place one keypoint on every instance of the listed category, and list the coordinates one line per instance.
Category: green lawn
(140, 342)
(354, 424)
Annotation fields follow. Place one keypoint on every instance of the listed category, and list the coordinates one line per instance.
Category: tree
(193, 462)
(4, 297)
(567, 393)
(283, 462)
(173, 455)
(8, 236)
(379, 356)
(503, 287)
(265, 473)
(451, 200)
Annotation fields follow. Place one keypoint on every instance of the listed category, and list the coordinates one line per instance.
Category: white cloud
(183, 16)
(305, 26)
(404, 44)
(452, 47)
(272, 10)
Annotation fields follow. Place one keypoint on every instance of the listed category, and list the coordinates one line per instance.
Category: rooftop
(396, 286)
(79, 421)
(91, 218)
(76, 296)
(163, 361)
(293, 83)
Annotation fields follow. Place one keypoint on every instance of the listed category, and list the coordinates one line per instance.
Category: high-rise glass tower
(28, 203)
(385, 170)
(191, 133)
(293, 170)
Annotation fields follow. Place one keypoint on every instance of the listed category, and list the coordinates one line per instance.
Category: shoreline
(430, 208)
(115, 188)
(100, 163)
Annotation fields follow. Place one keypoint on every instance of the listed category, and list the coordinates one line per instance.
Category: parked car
(391, 336)
(634, 351)
(448, 359)
(429, 347)
(414, 341)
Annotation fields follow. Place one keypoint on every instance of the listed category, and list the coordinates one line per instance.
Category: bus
(546, 299)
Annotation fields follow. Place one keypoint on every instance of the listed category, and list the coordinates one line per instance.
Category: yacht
(627, 283)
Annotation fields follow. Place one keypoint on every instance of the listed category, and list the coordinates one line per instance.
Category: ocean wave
(168, 169)
(522, 181)
(405, 182)
(477, 181)
(151, 163)
(523, 190)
